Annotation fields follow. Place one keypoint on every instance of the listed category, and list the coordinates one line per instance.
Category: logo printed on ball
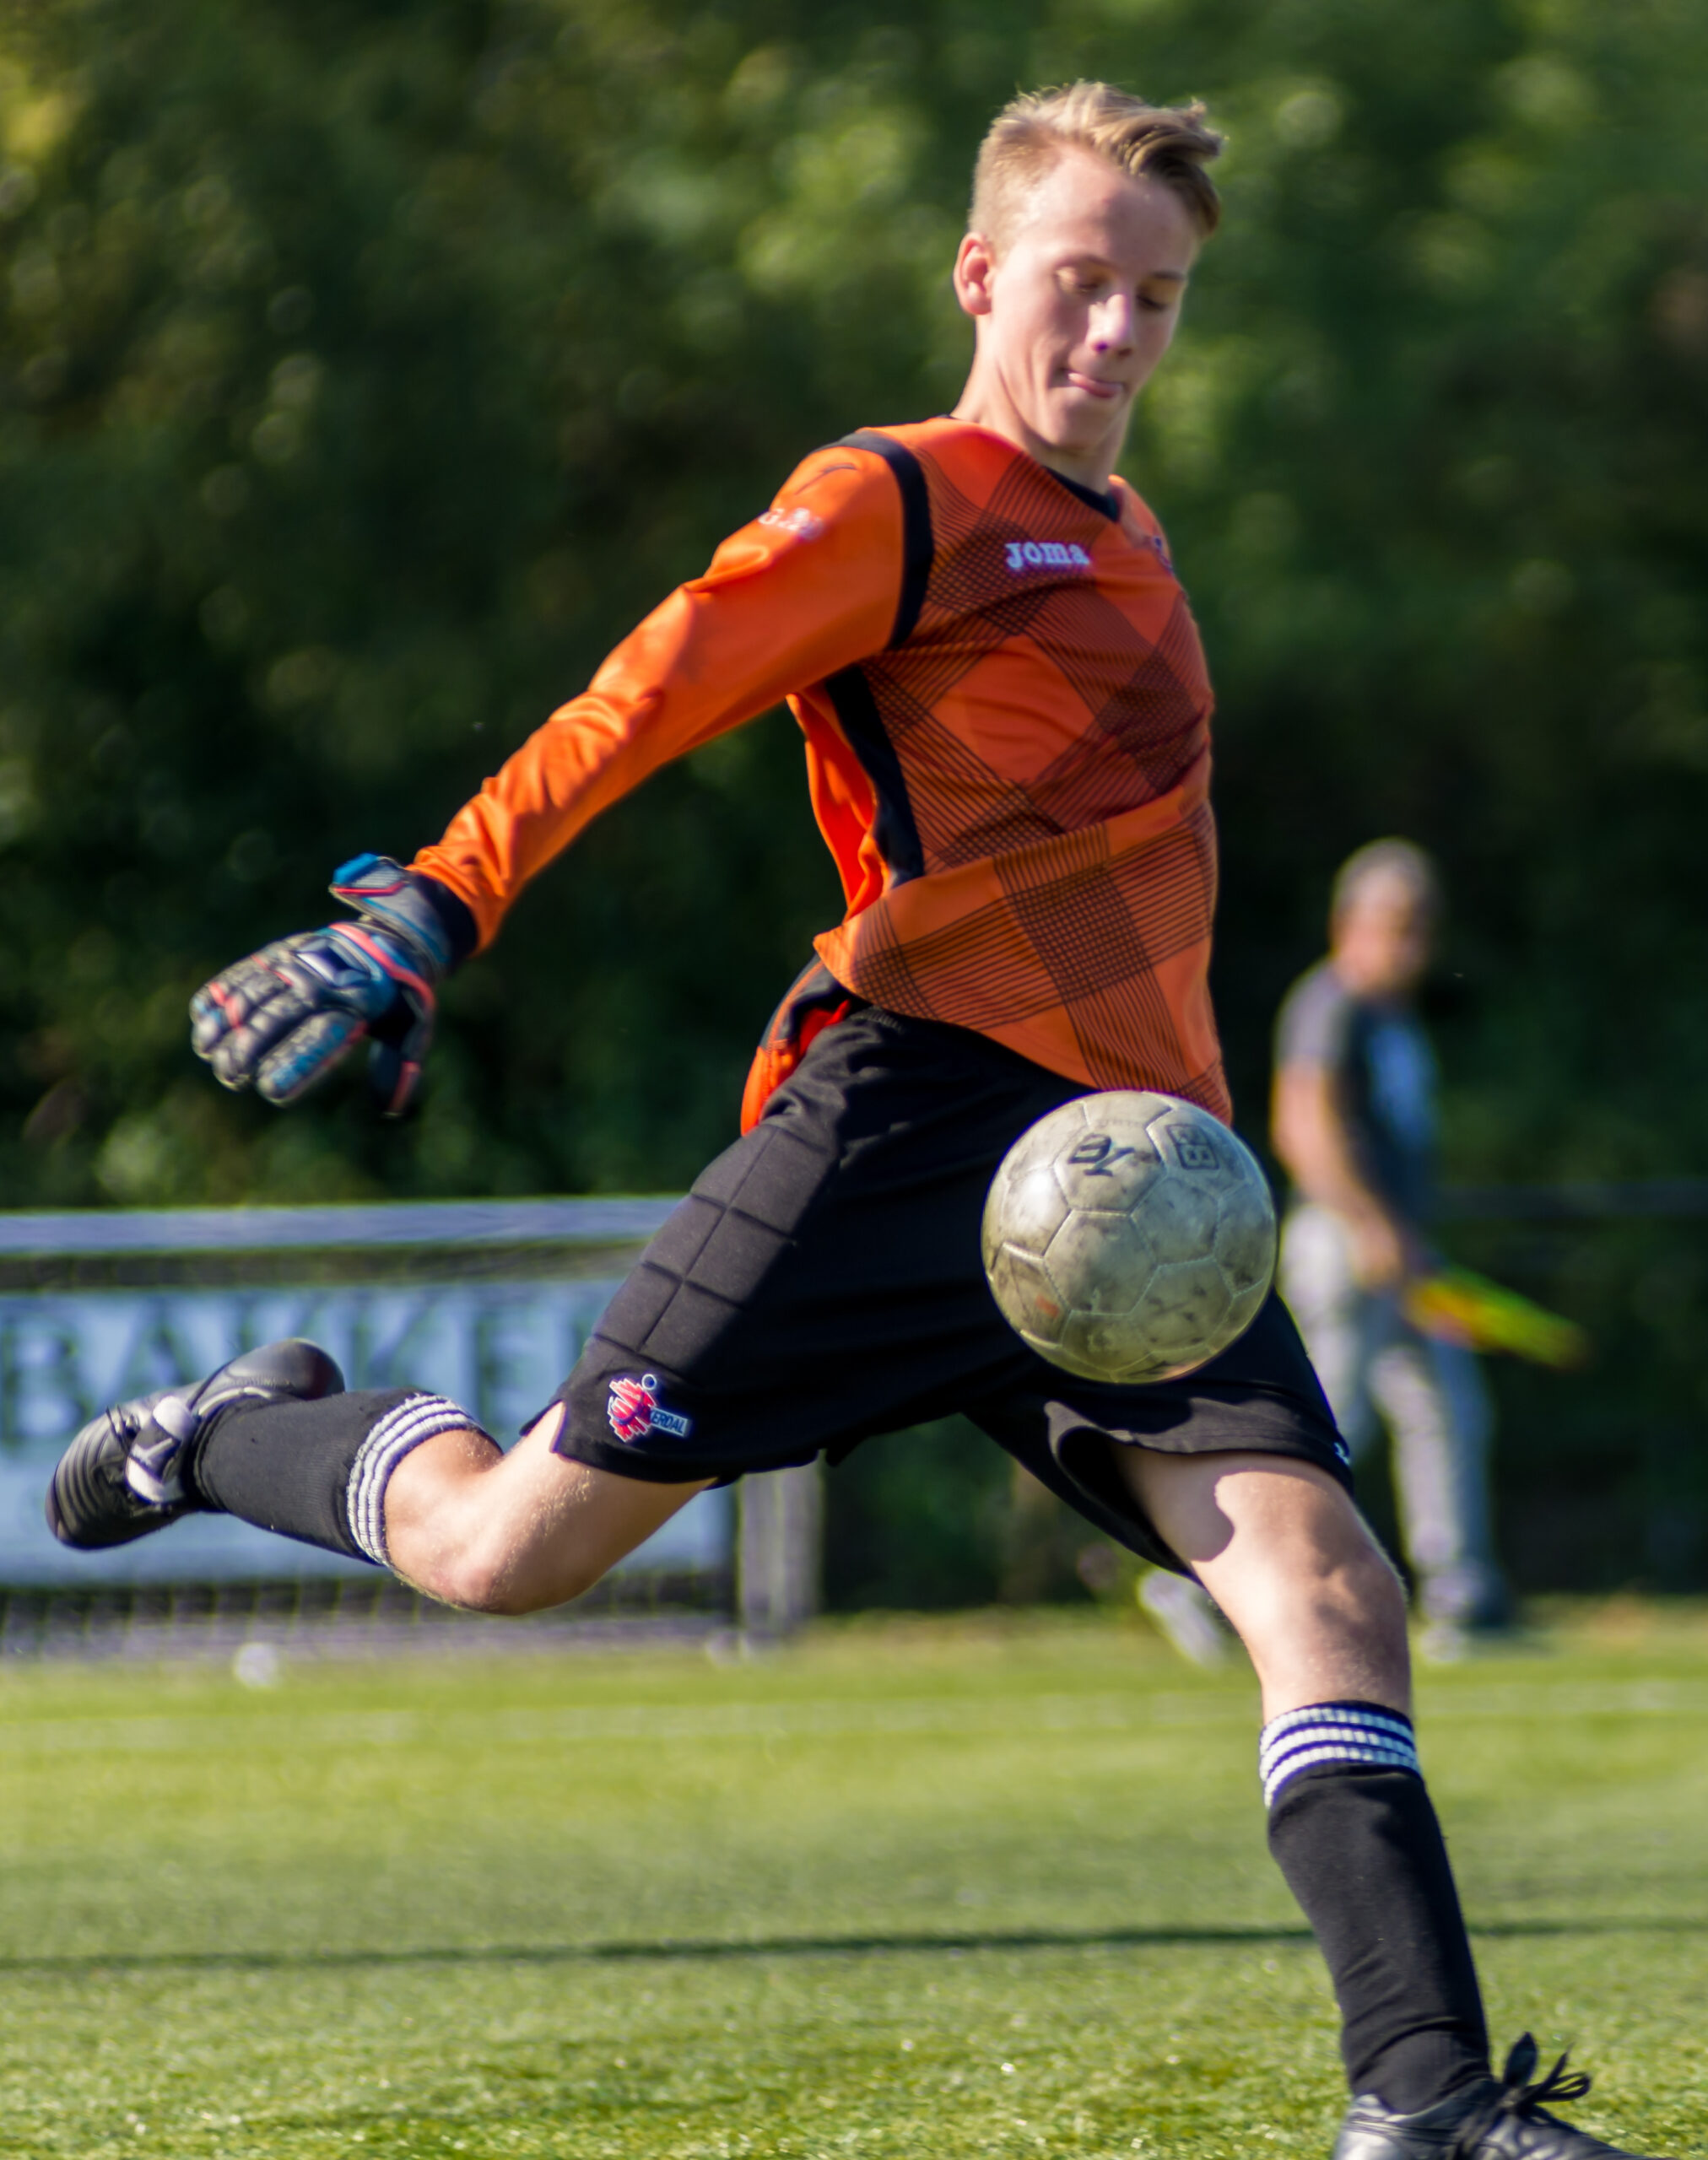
(1097, 1155)
(1191, 1150)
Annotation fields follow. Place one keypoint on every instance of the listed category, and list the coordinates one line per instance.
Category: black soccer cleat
(121, 1476)
(1489, 2121)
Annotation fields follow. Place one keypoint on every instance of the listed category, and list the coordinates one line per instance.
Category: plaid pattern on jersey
(1039, 746)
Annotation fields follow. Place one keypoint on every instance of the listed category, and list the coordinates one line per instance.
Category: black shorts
(823, 1282)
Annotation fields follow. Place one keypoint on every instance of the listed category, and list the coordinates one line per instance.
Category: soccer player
(1354, 1124)
(1006, 713)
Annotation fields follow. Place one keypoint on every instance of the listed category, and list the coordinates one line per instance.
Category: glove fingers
(226, 1003)
(306, 1056)
(255, 1020)
(279, 1021)
(236, 1056)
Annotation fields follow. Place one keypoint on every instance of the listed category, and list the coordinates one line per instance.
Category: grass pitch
(923, 1889)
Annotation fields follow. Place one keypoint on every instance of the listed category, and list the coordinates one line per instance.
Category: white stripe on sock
(1333, 1732)
(1287, 1733)
(403, 1427)
(1280, 1733)
(1368, 1714)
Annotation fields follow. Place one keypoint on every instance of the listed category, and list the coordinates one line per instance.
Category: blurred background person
(1354, 1125)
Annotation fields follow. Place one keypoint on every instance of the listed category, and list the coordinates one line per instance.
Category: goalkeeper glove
(279, 1021)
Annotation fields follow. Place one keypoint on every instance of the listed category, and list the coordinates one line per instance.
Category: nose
(1114, 321)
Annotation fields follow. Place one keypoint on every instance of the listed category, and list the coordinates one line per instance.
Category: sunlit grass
(934, 1889)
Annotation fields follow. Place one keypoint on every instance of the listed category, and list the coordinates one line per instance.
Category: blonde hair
(1170, 143)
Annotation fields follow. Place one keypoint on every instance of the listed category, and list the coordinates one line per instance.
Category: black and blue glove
(279, 1021)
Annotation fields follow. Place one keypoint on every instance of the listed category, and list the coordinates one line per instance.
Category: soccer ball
(1129, 1237)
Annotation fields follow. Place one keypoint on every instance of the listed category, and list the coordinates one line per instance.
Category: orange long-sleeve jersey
(1006, 720)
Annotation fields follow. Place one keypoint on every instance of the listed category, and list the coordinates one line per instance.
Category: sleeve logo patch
(634, 1411)
(1046, 554)
(800, 520)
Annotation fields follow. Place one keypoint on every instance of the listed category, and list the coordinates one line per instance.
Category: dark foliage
(366, 370)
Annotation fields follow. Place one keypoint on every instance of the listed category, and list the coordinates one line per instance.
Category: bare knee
(1357, 1592)
(1324, 1567)
(511, 1534)
(482, 1579)
(1283, 1552)
(1330, 1622)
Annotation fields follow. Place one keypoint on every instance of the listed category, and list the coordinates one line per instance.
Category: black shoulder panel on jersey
(918, 545)
(894, 828)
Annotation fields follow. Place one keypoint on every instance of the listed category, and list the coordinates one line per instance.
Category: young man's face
(1075, 313)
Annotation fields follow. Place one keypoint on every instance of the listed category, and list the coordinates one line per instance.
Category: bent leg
(1288, 1557)
(1285, 1554)
(514, 1533)
(409, 1481)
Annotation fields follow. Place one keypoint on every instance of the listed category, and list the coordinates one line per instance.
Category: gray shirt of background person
(1384, 1072)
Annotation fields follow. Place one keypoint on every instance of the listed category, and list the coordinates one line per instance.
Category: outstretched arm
(809, 587)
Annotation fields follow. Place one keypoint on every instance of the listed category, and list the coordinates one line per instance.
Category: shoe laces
(1518, 2098)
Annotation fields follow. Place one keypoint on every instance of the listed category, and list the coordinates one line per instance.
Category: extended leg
(398, 1477)
(422, 1489)
(512, 1533)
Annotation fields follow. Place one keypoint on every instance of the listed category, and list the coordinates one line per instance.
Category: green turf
(938, 1890)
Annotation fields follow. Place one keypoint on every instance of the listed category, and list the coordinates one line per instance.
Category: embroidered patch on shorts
(634, 1411)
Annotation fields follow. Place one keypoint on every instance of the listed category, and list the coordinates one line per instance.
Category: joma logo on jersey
(1046, 554)
(634, 1411)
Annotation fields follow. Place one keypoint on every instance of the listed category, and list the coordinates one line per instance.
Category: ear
(974, 267)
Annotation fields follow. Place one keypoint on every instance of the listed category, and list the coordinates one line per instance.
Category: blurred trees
(366, 370)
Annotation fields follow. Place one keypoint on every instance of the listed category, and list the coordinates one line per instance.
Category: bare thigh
(1288, 1557)
(493, 1532)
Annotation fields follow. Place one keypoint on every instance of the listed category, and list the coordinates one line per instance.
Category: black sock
(1353, 1829)
(317, 1471)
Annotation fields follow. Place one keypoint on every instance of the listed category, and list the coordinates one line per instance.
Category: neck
(984, 403)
